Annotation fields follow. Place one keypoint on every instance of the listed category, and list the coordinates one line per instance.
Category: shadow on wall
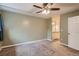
(11, 50)
(7, 39)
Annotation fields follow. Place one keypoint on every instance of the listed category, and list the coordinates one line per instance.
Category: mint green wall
(64, 25)
(20, 28)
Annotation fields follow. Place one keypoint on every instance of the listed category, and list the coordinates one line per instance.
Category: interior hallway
(42, 48)
(56, 27)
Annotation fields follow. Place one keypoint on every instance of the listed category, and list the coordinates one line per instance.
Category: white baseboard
(69, 46)
(30, 42)
(63, 44)
(49, 39)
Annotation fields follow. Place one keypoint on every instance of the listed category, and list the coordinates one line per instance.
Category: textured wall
(21, 28)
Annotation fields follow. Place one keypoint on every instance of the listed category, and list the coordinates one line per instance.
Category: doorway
(56, 28)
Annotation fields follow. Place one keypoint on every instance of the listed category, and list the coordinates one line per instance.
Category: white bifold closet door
(73, 32)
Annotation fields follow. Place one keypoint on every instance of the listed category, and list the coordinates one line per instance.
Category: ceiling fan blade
(38, 11)
(54, 8)
(37, 6)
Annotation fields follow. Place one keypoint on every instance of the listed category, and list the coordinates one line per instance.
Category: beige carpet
(43, 48)
(39, 48)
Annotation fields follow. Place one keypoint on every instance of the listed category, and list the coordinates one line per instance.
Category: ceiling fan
(46, 8)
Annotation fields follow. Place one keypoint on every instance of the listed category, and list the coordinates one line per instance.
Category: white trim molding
(49, 39)
(64, 44)
(30, 42)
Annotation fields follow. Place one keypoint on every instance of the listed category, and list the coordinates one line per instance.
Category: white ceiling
(28, 9)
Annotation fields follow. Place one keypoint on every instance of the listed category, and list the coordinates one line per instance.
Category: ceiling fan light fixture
(45, 12)
(48, 11)
(46, 8)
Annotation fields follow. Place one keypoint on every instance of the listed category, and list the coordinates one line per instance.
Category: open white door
(73, 32)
